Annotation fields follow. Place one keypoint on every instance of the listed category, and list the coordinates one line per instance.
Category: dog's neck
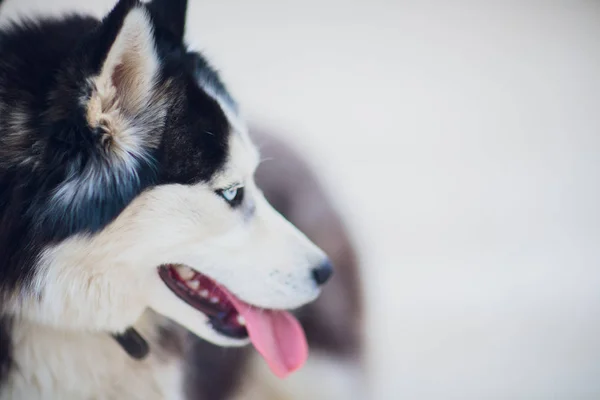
(48, 362)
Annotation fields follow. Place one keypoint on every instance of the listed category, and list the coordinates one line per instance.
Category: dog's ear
(169, 17)
(127, 62)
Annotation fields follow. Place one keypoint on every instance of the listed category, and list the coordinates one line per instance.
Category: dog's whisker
(263, 160)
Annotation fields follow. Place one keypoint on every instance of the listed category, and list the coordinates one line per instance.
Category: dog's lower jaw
(166, 303)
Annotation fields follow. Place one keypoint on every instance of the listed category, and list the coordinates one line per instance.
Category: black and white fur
(116, 143)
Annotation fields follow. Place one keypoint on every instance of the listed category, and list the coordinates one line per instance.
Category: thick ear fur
(126, 83)
(169, 16)
(124, 112)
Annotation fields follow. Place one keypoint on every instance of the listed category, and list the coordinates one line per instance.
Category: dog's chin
(209, 334)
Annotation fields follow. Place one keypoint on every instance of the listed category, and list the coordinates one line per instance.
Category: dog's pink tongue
(277, 335)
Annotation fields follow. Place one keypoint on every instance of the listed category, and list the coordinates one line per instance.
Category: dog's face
(146, 196)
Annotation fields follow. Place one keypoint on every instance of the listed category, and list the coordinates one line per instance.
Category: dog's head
(140, 192)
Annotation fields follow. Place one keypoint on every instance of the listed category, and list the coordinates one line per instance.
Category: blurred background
(460, 142)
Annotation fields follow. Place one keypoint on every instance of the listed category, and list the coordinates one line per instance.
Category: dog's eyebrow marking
(234, 185)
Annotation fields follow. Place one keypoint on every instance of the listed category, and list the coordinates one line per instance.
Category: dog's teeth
(214, 299)
(194, 285)
(204, 293)
(241, 320)
(185, 273)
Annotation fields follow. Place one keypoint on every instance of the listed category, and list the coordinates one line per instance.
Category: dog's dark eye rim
(233, 195)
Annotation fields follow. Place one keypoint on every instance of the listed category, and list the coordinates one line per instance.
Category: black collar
(133, 343)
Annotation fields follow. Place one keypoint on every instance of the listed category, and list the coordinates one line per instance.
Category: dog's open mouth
(206, 296)
(276, 334)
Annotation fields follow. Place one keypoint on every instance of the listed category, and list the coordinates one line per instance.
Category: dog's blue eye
(230, 194)
(234, 196)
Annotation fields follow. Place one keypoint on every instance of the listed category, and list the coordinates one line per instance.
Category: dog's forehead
(243, 156)
(242, 160)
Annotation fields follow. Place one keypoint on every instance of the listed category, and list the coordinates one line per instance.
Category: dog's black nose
(323, 272)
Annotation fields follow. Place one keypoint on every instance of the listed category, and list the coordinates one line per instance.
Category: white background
(462, 141)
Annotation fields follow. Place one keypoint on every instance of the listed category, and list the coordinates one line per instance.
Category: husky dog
(332, 323)
(127, 196)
